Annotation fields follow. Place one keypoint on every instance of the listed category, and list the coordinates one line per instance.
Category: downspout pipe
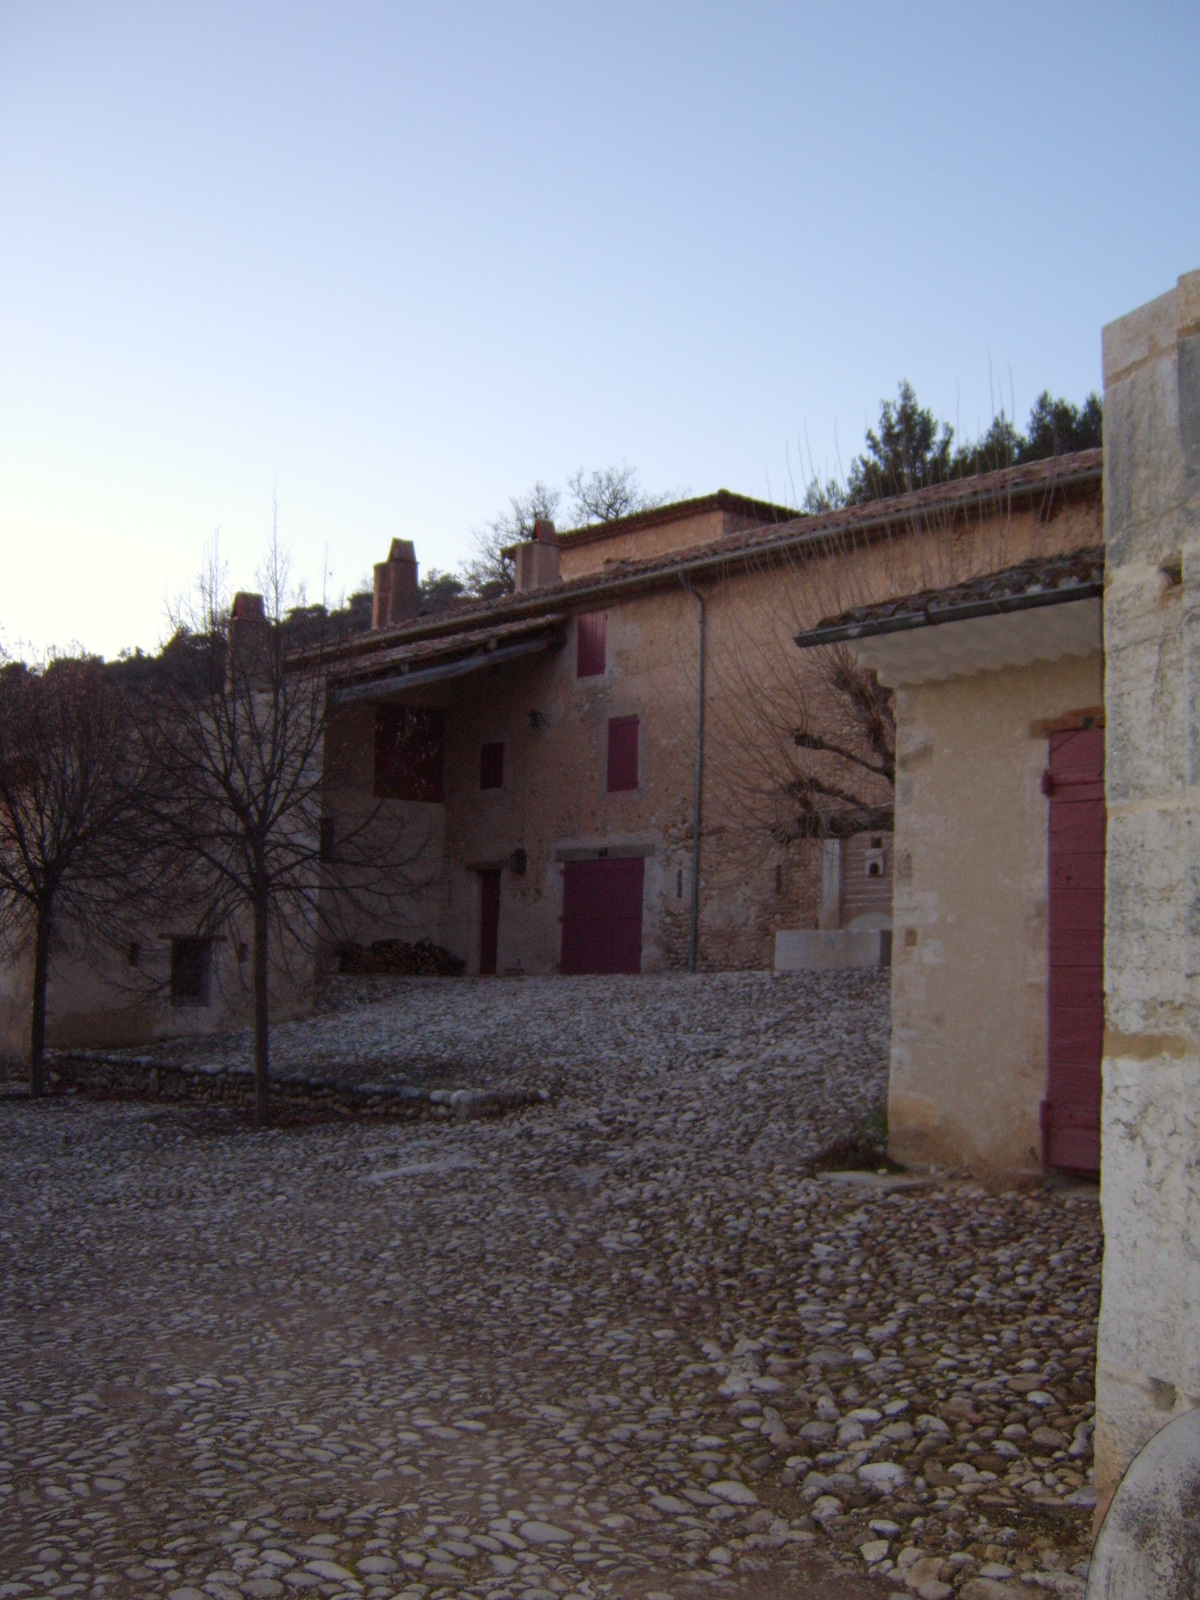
(702, 630)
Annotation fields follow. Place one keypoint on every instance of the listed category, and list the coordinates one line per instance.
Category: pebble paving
(624, 1344)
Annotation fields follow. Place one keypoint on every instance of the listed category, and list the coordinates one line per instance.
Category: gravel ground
(625, 1344)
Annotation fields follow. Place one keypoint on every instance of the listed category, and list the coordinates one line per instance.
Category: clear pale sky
(395, 262)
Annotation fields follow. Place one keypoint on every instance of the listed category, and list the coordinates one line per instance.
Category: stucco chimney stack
(396, 595)
(537, 559)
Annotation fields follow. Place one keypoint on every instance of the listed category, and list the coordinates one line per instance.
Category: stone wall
(123, 1077)
(1148, 1365)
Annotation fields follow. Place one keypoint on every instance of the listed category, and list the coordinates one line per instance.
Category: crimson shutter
(591, 632)
(1075, 1041)
(602, 915)
(491, 766)
(622, 754)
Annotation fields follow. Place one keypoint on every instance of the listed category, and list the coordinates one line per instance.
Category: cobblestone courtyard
(623, 1344)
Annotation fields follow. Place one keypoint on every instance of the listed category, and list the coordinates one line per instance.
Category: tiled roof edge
(993, 489)
(1039, 581)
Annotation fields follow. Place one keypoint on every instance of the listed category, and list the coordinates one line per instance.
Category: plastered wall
(969, 952)
(1148, 1362)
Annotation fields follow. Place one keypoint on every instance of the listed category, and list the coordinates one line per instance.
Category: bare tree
(847, 783)
(608, 494)
(604, 495)
(489, 572)
(235, 733)
(803, 742)
(68, 846)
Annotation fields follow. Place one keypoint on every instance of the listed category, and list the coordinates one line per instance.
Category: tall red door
(602, 915)
(1071, 1109)
(489, 921)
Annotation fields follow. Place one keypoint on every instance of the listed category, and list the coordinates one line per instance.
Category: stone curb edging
(99, 1075)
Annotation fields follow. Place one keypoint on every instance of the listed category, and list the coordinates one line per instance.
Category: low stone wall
(103, 1076)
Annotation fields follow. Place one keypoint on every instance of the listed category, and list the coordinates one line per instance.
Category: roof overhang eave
(962, 611)
(394, 683)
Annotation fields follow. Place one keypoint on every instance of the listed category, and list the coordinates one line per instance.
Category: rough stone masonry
(1149, 1352)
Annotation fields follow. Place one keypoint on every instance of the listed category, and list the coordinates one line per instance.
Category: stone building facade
(1148, 1365)
(576, 748)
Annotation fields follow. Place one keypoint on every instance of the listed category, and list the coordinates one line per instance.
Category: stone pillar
(1148, 1361)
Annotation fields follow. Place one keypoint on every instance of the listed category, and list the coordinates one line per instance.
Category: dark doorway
(602, 915)
(1075, 1042)
(489, 920)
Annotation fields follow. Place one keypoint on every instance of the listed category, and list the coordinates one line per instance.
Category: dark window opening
(622, 754)
(328, 836)
(491, 765)
(410, 744)
(590, 636)
(191, 970)
(133, 953)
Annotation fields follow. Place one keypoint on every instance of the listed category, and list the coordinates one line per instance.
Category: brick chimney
(249, 636)
(537, 559)
(396, 595)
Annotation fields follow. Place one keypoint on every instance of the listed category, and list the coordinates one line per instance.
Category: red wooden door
(602, 915)
(489, 921)
(1075, 1044)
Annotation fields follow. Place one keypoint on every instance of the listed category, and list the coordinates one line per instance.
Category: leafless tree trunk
(236, 736)
(69, 854)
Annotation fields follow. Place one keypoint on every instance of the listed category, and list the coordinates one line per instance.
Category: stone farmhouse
(584, 760)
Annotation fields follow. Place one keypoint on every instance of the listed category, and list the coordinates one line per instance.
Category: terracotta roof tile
(1040, 580)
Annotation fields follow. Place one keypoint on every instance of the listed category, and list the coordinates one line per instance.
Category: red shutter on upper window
(622, 754)
(491, 765)
(590, 634)
(410, 753)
